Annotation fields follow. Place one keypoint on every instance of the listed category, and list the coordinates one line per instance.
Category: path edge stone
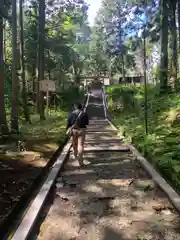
(156, 177)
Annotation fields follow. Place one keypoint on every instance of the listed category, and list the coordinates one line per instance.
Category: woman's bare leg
(81, 140)
(75, 143)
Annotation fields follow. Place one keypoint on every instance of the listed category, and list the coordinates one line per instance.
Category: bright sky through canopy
(93, 9)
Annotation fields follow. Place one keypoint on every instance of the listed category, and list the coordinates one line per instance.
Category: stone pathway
(109, 198)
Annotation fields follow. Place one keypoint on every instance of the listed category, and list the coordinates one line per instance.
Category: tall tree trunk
(178, 7)
(173, 29)
(163, 71)
(36, 61)
(49, 69)
(3, 121)
(33, 75)
(41, 56)
(4, 41)
(24, 87)
(123, 68)
(15, 85)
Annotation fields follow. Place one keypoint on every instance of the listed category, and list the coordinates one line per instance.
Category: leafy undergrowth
(162, 144)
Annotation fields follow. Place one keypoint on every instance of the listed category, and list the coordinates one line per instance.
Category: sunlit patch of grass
(51, 145)
(35, 153)
(40, 139)
(53, 125)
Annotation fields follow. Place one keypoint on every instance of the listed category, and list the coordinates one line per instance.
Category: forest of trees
(118, 39)
(39, 40)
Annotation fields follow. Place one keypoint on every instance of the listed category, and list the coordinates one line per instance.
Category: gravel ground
(109, 198)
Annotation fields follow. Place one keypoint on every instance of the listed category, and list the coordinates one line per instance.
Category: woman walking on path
(77, 122)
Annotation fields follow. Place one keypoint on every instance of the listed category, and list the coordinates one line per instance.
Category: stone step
(98, 122)
(99, 127)
(103, 144)
(106, 147)
(110, 137)
(101, 131)
(114, 141)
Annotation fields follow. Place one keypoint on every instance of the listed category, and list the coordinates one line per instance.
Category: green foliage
(65, 47)
(8, 85)
(68, 97)
(161, 145)
(66, 36)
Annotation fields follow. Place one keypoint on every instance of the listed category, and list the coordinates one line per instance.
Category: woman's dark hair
(78, 106)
